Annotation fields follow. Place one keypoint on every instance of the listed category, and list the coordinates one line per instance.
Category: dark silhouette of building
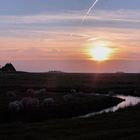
(8, 68)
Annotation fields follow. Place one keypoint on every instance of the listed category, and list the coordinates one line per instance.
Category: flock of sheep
(31, 101)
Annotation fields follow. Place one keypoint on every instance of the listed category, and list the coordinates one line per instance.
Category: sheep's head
(30, 92)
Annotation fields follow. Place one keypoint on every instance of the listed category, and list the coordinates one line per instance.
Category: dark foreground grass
(122, 125)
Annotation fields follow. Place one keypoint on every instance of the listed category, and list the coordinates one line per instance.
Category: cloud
(47, 36)
(50, 26)
(106, 15)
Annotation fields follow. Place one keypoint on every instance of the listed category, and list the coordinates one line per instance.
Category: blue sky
(51, 30)
(28, 7)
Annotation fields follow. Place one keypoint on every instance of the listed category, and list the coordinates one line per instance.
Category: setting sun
(100, 52)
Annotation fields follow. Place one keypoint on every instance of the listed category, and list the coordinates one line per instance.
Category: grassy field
(121, 125)
(62, 82)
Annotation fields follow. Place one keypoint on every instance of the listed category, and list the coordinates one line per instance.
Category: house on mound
(8, 68)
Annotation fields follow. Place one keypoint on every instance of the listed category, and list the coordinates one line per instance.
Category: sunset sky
(43, 35)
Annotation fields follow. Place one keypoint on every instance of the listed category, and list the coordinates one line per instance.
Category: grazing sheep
(30, 92)
(47, 102)
(73, 91)
(80, 94)
(43, 91)
(15, 106)
(40, 92)
(36, 92)
(68, 97)
(11, 95)
(110, 93)
(30, 103)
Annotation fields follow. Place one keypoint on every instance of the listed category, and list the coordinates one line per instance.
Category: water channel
(128, 101)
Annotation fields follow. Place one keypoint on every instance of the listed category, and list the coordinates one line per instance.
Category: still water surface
(129, 101)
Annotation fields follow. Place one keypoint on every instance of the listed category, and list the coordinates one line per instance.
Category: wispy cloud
(122, 15)
(46, 36)
(51, 25)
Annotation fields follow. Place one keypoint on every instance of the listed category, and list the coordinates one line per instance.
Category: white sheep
(15, 106)
(40, 92)
(68, 97)
(43, 91)
(11, 95)
(30, 92)
(30, 103)
(110, 93)
(47, 102)
(73, 91)
(36, 92)
(80, 94)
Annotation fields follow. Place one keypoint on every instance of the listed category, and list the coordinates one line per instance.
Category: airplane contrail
(89, 10)
(87, 13)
